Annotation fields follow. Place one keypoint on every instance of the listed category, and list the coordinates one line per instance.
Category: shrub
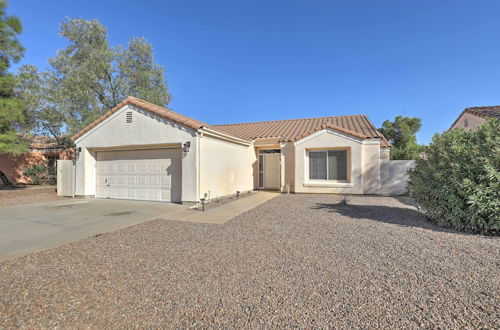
(38, 174)
(458, 184)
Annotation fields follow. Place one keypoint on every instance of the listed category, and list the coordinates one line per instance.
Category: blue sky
(239, 61)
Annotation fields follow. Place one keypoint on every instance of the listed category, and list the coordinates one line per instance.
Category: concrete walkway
(224, 213)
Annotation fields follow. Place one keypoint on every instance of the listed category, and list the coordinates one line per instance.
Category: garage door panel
(120, 167)
(101, 167)
(140, 174)
(155, 195)
(131, 180)
(120, 180)
(142, 180)
(154, 180)
(142, 168)
(154, 167)
(142, 194)
(101, 179)
(131, 168)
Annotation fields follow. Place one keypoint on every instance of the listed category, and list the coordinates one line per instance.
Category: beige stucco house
(142, 151)
(472, 117)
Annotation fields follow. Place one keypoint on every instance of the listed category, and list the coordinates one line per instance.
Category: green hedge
(458, 183)
(41, 174)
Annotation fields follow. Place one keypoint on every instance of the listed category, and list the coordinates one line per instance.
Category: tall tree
(89, 77)
(139, 75)
(401, 133)
(11, 51)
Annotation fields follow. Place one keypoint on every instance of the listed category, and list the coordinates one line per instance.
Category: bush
(40, 174)
(458, 184)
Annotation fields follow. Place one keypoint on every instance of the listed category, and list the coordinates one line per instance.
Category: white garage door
(153, 174)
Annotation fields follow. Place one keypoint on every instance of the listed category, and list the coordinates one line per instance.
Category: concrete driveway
(29, 228)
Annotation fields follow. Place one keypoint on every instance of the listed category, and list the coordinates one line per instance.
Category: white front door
(271, 171)
(153, 174)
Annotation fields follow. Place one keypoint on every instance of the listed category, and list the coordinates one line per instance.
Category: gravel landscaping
(10, 196)
(295, 261)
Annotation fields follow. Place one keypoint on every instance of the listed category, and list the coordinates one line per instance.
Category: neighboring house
(41, 150)
(142, 151)
(470, 118)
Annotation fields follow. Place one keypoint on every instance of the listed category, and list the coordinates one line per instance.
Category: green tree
(11, 114)
(401, 135)
(139, 75)
(88, 77)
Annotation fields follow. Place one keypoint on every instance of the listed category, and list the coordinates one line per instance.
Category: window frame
(325, 150)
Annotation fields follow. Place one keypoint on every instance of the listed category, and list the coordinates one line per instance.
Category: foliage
(11, 51)
(458, 183)
(87, 78)
(401, 135)
(40, 174)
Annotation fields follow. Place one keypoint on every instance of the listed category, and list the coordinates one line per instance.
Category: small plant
(38, 174)
(458, 183)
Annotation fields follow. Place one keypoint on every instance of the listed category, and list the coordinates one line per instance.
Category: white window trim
(308, 182)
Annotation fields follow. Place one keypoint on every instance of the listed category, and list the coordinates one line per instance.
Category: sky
(244, 61)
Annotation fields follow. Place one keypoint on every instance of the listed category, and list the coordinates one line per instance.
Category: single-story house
(472, 117)
(42, 150)
(142, 151)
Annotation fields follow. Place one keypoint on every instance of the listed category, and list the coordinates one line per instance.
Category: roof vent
(128, 118)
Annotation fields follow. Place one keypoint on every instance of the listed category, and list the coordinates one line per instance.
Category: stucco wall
(225, 167)
(288, 166)
(469, 121)
(13, 166)
(323, 140)
(371, 168)
(394, 176)
(145, 130)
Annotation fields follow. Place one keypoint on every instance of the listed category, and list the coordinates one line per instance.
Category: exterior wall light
(186, 146)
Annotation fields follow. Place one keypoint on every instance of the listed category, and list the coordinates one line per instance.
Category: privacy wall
(394, 176)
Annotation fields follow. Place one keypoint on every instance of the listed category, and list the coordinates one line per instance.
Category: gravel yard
(296, 261)
(20, 196)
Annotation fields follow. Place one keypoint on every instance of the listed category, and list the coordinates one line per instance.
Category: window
(51, 161)
(328, 165)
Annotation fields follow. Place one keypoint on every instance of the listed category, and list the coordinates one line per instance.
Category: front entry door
(271, 171)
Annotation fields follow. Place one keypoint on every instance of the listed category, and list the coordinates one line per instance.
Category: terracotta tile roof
(483, 112)
(294, 129)
(38, 142)
(160, 111)
(286, 130)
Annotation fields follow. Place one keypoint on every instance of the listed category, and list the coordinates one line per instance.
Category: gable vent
(128, 117)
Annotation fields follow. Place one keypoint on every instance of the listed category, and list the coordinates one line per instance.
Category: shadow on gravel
(400, 216)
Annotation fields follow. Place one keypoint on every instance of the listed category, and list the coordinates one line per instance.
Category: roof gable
(160, 111)
(332, 127)
(483, 112)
